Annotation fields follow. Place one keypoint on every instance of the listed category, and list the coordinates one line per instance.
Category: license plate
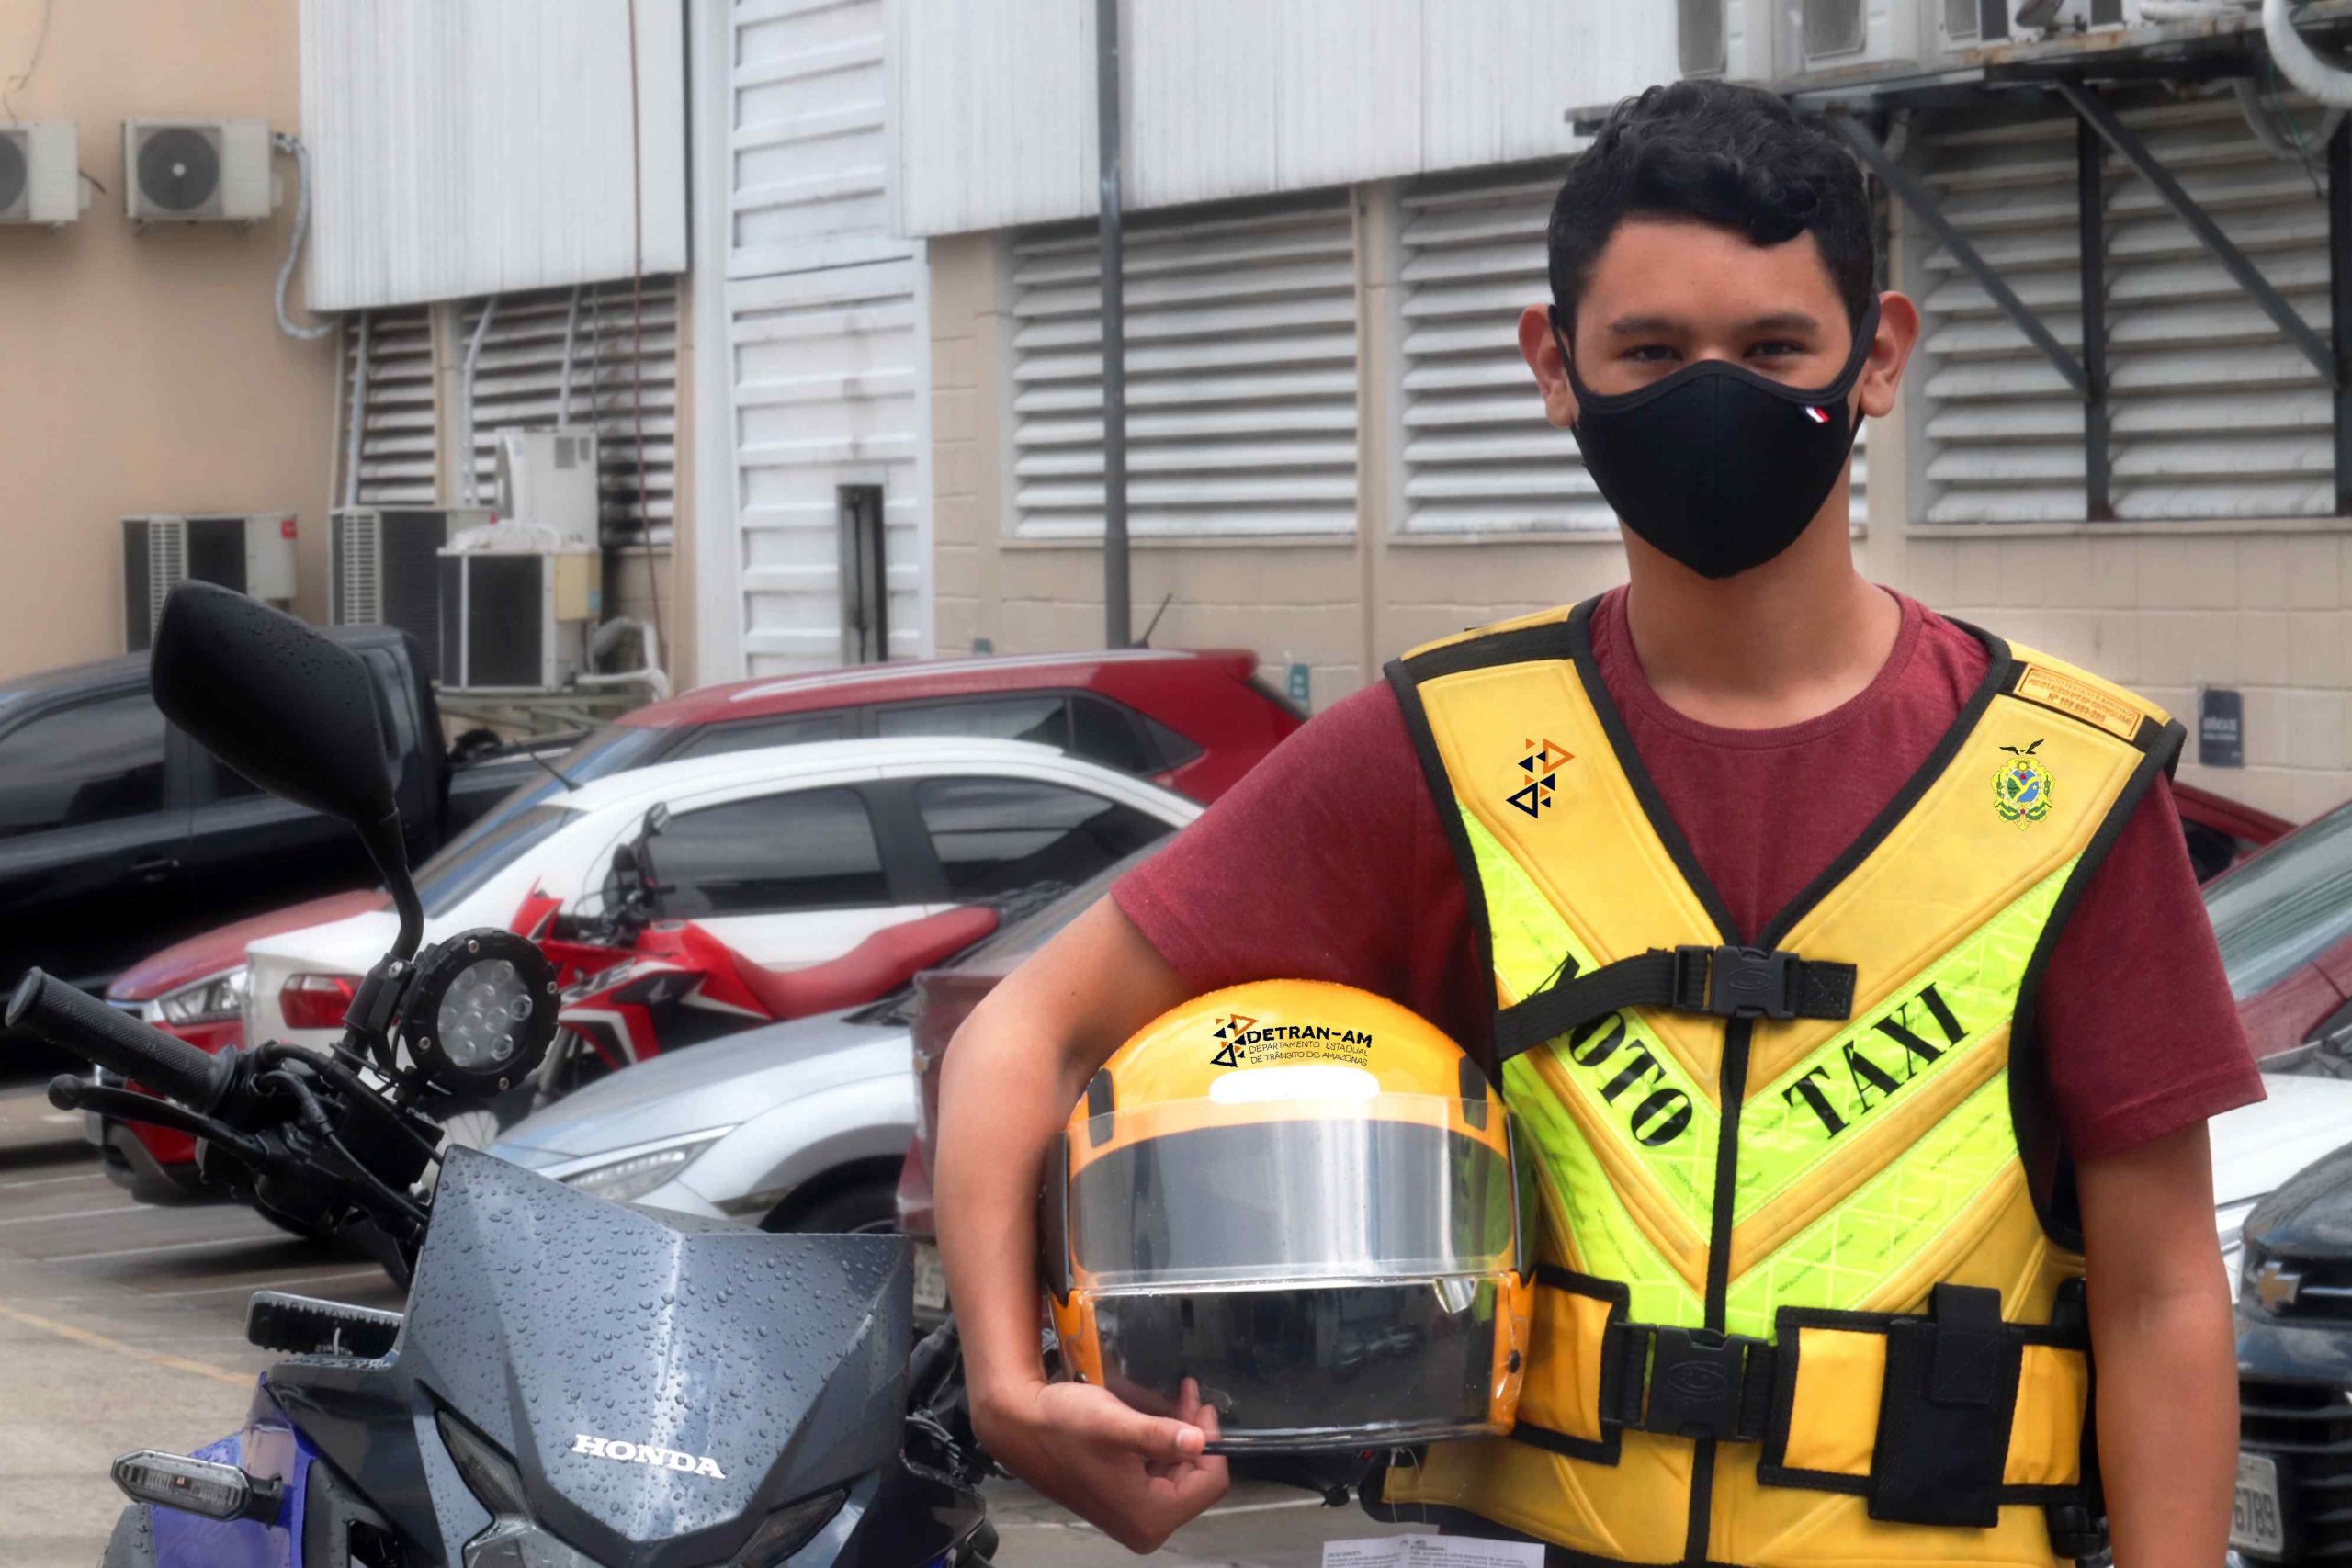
(2256, 1523)
(931, 1280)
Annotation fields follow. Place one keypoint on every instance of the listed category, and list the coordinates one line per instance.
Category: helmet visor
(1192, 1192)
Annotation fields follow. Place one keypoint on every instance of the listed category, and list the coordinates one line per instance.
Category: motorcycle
(636, 985)
(574, 1384)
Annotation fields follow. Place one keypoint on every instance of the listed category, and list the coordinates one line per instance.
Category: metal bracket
(2099, 117)
(1921, 200)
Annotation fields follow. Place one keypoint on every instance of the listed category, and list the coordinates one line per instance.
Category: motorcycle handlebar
(75, 1020)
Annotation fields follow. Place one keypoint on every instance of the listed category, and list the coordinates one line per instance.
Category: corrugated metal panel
(1241, 373)
(398, 463)
(617, 359)
(1230, 98)
(827, 392)
(1479, 456)
(460, 149)
(809, 148)
(2214, 412)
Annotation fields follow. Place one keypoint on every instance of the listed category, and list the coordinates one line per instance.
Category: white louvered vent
(361, 589)
(1479, 456)
(518, 384)
(397, 461)
(2214, 414)
(1241, 373)
(166, 562)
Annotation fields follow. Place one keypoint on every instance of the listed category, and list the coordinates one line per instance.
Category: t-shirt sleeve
(2139, 1033)
(1327, 861)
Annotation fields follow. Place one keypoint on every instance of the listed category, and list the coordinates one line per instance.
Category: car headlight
(220, 999)
(632, 1175)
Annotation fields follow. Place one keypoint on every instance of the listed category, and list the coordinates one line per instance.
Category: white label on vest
(1431, 1551)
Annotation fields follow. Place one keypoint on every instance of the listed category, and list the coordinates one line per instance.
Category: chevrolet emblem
(2275, 1287)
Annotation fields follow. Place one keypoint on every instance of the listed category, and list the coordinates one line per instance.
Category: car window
(811, 848)
(466, 863)
(1106, 733)
(750, 735)
(2285, 907)
(1042, 718)
(997, 836)
(615, 748)
(97, 761)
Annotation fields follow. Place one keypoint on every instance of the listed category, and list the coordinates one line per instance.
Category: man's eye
(1652, 354)
(1775, 349)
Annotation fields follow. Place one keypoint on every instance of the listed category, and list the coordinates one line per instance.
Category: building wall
(146, 372)
(2164, 607)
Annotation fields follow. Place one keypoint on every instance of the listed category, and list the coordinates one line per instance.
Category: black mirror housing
(290, 710)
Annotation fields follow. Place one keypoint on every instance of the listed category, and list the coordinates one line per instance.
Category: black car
(2294, 1319)
(118, 836)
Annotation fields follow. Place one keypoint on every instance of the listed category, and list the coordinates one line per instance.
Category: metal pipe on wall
(357, 413)
(1118, 623)
(474, 354)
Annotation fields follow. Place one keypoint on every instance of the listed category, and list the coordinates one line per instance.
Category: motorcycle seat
(872, 969)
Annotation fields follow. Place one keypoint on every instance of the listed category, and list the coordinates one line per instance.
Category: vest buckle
(1736, 982)
(1703, 1383)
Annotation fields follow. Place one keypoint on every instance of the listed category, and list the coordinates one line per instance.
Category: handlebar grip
(75, 1020)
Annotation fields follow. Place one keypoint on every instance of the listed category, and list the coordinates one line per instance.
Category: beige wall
(2164, 608)
(144, 372)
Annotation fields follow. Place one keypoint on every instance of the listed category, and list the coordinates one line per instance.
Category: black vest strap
(1726, 982)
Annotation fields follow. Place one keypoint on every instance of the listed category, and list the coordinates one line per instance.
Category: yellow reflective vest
(1812, 1281)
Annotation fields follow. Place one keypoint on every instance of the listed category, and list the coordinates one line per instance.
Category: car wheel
(860, 1208)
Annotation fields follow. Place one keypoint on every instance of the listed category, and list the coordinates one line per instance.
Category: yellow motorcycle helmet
(1311, 1203)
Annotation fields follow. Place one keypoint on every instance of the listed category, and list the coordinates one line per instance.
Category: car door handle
(154, 870)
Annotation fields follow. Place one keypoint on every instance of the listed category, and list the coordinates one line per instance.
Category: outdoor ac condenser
(253, 554)
(197, 171)
(41, 173)
(383, 568)
(548, 479)
(516, 620)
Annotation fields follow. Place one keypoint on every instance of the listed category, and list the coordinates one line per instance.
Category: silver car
(799, 1126)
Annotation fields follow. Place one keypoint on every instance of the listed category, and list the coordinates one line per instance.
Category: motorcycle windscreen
(1192, 1192)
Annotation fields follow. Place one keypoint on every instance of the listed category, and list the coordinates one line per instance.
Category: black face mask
(1717, 466)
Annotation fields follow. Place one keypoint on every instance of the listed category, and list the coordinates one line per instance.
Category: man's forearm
(2167, 1425)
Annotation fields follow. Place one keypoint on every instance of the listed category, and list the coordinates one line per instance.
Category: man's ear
(1542, 352)
(1898, 333)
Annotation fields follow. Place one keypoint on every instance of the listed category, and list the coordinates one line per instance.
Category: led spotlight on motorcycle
(478, 1009)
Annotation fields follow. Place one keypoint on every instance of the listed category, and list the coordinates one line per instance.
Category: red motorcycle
(636, 985)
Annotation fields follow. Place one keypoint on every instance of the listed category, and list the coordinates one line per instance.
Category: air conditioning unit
(251, 554)
(516, 620)
(41, 173)
(1730, 39)
(187, 171)
(549, 479)
(383, 568)
(1836, 35)
(2063, 17)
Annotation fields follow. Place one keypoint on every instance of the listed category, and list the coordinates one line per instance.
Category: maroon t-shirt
(1329, 862)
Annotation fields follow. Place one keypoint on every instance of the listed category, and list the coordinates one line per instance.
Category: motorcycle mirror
(289, 709)
(478, 1012)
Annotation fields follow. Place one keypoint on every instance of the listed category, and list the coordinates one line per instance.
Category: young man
(1949, 1016)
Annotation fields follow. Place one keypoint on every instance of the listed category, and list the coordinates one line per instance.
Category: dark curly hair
(1735, 157)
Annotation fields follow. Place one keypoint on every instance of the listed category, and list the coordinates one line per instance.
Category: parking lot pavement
(122, 1326)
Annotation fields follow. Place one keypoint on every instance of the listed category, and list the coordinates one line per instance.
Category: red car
(1191, 721)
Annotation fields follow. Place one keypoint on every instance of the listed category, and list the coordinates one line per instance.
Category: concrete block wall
(2166, 610)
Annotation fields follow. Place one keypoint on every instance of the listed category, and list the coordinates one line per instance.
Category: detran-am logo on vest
(1541, 765)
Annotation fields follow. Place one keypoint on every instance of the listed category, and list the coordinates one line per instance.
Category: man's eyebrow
(1645, 326)
(1784, 322)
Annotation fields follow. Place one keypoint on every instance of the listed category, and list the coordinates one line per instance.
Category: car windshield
(448, 878)
(2285, 907)
(612, 750)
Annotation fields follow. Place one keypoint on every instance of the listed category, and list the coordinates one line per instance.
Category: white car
(790, 855)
